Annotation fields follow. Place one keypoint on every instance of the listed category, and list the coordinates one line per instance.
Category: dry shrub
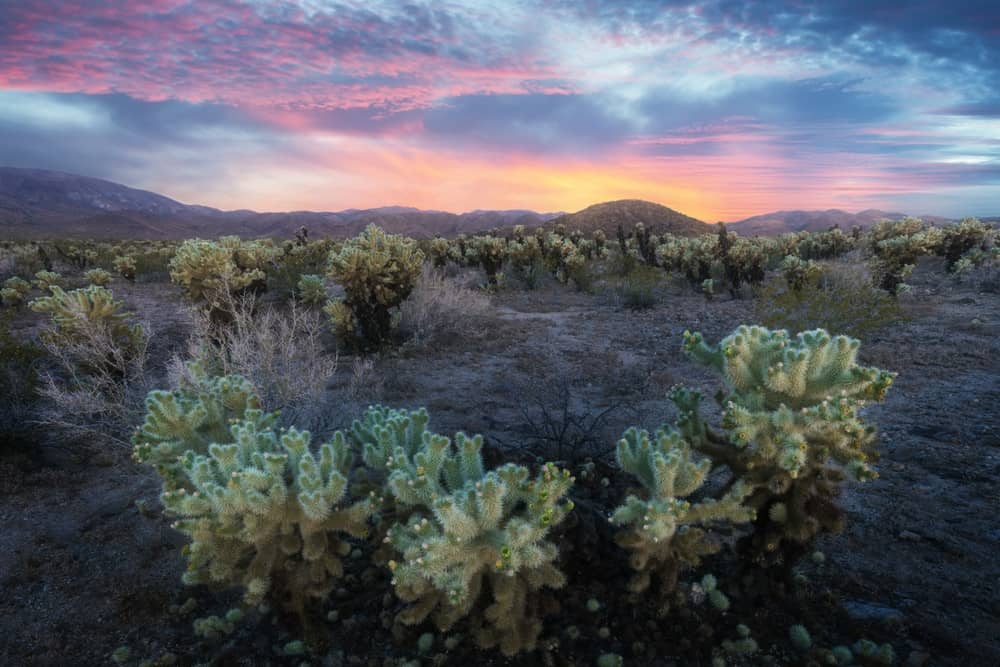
(95, 402)
(279, 349)
(441, 309)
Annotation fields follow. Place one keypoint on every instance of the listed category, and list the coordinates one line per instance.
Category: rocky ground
(88, 565)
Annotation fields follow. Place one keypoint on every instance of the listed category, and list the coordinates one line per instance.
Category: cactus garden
(304, 454)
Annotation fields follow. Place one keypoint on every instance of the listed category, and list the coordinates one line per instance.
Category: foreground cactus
(192, 418)
(267, 515)
(378, 271)
(469, 530)
(664, 531)
(791, 428)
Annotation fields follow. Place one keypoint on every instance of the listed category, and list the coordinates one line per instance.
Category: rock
(910, 536)
(859, 610)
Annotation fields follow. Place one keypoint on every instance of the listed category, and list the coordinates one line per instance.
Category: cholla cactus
(47, 279)
(15, 291)
(470, 529)
(708, 288)
(960, 239)
(266, 514)
(439, 251)
(311, 289)
(193, 417)
(791, 424)
(125, 266)
(378, 271)
(98, 277)
(664, 531)
(85, 313)
(211, 272)
(491, 253)
(895, 247)
(798, 272)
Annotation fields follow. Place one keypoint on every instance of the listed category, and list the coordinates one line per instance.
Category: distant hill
(779, 222)
(36, 203)
(627, 212)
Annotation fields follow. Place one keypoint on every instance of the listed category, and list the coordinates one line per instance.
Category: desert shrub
(311, 289)
(440, 308)
(98, 277)
(638, 289)
(378, 271)
(791, 432)
(101, 357)
(279, 350)
(526, 261)
(834, 300)
(263, 511)
(469, 531)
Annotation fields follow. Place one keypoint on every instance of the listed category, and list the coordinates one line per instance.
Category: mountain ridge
(36, 203)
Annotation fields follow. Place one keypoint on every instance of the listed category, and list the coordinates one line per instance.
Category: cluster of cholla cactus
(98, 277)
(214, 272)
(821, 245)
(799, 273)
(15, 290)
(791, 431)
(664, 530)
(895, 247)
(968, 240)
(264, 512)
(377, 271)
(470, 531)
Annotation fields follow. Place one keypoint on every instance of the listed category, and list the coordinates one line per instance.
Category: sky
(721, 109)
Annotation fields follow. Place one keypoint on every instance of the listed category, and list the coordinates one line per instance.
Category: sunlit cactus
(44, 280)
(125, 266)
(98, 277)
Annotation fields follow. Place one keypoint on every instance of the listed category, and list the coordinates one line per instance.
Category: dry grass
(441, 309)
(280, 350)
(94, 402)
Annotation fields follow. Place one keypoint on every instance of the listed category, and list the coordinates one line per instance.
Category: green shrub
(834, 301)
(638, 288)
(378, 271)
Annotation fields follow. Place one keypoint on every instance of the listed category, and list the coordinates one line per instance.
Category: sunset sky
(721, 109)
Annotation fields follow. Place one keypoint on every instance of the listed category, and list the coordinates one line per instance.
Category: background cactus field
(593, 448)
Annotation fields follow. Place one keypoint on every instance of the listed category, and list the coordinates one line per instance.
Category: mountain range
(36, 203)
